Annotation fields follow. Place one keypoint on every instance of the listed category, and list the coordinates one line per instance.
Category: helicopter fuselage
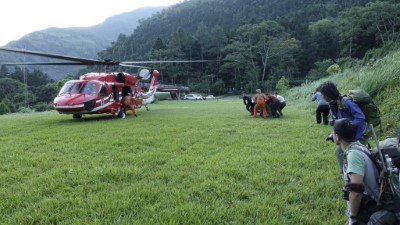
(97, 93)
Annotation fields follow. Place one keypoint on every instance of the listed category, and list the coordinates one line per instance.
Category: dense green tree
(326, 38)
(262, 45)
(9, 88)
(282, 85)
(159, 45)
(3, 71)
(37, 78)
(218, 87)
(218, 40)
(47, 93)
(4, 108)
(239, 67)
(10, 105)
(203, 38)
(364, 28)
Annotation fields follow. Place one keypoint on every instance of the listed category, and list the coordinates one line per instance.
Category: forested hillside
(261, 40)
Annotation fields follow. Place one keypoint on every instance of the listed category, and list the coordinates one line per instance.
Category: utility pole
(26, 86)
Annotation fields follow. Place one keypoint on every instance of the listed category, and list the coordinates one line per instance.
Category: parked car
(209, 97)
(193, 97)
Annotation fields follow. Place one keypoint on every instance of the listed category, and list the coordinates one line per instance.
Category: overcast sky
(21, 17)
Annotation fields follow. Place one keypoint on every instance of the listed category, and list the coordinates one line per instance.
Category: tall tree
(364, 28)
(266, 41)
(3, 71)
(324, 34)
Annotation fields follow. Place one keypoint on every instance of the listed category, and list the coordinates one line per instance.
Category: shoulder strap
(366, 152)
(363, 149)
(341, 104)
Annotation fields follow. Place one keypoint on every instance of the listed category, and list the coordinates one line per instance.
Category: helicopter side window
(89, 89)
(103, 91)
(75, 88)
(65, 89)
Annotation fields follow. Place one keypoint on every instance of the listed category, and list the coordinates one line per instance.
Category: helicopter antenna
(26, 86)
(107, 66)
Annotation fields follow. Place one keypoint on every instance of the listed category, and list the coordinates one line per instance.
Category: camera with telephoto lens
(329, 138)
(367, 207)
(345, 193)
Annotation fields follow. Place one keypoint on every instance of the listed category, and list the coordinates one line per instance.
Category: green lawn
(182, 162)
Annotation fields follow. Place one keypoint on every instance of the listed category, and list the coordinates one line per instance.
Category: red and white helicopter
(101, 92)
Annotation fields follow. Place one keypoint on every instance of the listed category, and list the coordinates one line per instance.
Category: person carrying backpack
(361, 176)
(347, 109)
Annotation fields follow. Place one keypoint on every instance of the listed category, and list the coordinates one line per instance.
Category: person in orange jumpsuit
(260, 100)
(129, 102)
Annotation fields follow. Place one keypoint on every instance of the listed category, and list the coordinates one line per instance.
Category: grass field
(183, 162)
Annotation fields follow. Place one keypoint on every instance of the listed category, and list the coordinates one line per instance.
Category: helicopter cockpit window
(70, 88)
(89, 88)
(103, 91)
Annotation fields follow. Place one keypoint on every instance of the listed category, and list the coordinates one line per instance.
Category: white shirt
(280, 98)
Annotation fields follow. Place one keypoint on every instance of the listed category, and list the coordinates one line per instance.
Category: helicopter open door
(115, 92)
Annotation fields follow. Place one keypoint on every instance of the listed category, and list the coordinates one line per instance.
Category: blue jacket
(352, 112)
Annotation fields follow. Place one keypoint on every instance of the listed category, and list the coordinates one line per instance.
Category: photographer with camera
(322, 108)
(361, 178)
(331, 94)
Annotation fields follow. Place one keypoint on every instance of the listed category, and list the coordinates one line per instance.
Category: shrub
(43, 106)
(10, 105)
(282, 85)
(25, 110)
(4, 108)
(335, 68)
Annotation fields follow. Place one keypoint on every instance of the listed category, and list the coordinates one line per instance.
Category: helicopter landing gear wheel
(77, 116)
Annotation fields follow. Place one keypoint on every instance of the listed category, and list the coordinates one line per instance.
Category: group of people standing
(351, 134)
(265, 102)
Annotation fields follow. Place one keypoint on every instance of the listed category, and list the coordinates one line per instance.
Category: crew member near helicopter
(259, 100)
(128, 100)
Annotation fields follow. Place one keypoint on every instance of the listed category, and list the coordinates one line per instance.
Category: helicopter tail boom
(148, 97)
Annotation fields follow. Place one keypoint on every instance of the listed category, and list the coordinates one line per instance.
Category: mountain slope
(83, 42)
(230, 14)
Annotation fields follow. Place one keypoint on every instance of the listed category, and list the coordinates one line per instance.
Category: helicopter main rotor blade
(134, 66)
(47, 64)
(55, 56)
(168, 61)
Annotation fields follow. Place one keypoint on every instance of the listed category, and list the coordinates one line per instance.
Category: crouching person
(361, 177)
(249, 103)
